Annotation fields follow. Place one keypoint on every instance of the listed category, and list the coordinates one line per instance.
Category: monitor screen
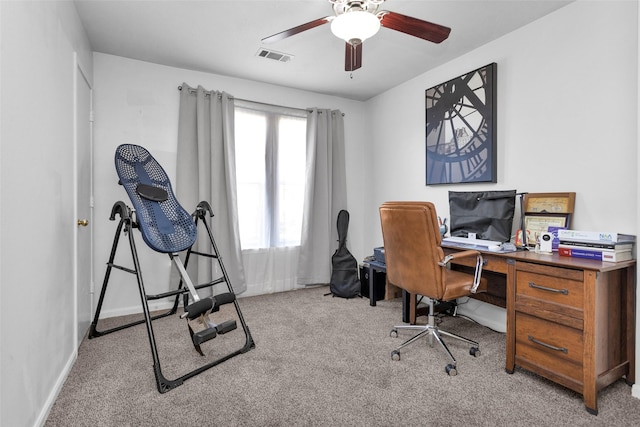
(488, 214)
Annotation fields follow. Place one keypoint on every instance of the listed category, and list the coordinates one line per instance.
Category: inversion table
(166, 227)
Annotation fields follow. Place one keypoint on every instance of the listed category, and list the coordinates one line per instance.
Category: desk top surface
(552, 259)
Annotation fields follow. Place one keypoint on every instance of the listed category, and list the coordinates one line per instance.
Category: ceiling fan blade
(414, 27)
(352, 57)
(295, 30)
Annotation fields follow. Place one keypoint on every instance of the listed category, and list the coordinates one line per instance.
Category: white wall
(137, 102)
(567, 109)
(567, 84)
(567, 120)
(37, 317)
(636, 388)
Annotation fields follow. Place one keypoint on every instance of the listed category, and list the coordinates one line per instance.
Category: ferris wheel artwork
(460, 129)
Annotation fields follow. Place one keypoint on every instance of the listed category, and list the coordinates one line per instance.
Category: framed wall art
(461, 129)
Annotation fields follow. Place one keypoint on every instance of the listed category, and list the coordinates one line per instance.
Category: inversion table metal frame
(200, 307)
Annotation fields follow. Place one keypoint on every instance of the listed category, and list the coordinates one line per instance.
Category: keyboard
(465, 241)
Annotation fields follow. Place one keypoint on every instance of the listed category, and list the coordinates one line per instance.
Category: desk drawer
(552, 297)
(556, 349)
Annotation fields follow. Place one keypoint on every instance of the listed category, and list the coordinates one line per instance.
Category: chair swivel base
(429, 331)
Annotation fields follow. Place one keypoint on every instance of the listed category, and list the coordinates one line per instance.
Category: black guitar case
(344, 275)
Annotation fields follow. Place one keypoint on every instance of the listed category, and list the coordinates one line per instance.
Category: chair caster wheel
(393, 333)
(395, 355)
(451, 370)
(474, 351)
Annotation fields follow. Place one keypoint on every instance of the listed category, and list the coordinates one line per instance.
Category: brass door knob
(83, 222)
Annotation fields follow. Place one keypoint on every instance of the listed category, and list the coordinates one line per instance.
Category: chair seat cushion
(459, 284)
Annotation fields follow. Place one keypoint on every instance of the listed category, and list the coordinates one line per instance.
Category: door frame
(80, 74)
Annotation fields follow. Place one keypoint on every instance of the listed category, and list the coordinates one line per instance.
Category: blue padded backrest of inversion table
(165, 225)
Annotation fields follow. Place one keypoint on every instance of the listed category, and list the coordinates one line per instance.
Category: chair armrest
(467, 254)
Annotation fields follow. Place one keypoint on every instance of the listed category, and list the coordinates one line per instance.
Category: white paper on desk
(501, 250)
(497, 249)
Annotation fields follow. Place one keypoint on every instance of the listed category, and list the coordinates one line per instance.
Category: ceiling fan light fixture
(355, 26)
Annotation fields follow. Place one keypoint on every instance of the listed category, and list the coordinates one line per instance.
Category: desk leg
(372, 297)
(511, 317)
(413, 306)
(589, 392)
(631, 324)
(405, 306)
(408, 308)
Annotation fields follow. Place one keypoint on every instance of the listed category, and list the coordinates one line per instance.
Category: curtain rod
(206, 92)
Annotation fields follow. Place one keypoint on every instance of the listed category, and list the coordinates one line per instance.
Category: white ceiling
(223, 37)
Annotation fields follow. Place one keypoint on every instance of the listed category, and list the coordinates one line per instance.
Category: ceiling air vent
(276, 56)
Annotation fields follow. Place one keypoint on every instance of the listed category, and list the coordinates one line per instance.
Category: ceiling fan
(356, 20)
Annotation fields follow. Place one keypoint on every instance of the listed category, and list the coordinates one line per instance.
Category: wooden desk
(570, 320)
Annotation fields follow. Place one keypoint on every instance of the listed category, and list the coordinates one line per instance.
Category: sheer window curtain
(206, 171)
(270, 150)
(325, 195)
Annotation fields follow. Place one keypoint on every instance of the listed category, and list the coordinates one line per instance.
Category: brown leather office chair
(416, 263)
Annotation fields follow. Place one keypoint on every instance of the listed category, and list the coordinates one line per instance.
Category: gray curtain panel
(325, 194)
(206, 171)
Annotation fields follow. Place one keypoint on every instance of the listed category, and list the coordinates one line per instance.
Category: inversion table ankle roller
(167, 228)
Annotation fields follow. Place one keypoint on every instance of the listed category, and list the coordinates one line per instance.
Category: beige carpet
(318, 361)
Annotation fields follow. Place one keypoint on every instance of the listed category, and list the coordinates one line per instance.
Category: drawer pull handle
(549, 346)
(559, 291)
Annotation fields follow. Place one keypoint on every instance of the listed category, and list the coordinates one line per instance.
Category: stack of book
(611, 247)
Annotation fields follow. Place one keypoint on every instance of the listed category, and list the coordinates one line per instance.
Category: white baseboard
(635, 391)
(55, 391)
(135, 309)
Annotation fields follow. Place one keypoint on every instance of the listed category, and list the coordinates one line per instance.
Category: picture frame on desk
(536, 224)
(544, 212)
(549, 203)
(461, 129)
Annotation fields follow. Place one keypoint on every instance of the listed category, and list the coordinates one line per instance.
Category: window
(270, 175)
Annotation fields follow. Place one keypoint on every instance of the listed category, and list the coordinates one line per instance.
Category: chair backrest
(412, 239)
(165, 225)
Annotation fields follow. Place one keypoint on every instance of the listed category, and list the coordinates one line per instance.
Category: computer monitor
(488, 214)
